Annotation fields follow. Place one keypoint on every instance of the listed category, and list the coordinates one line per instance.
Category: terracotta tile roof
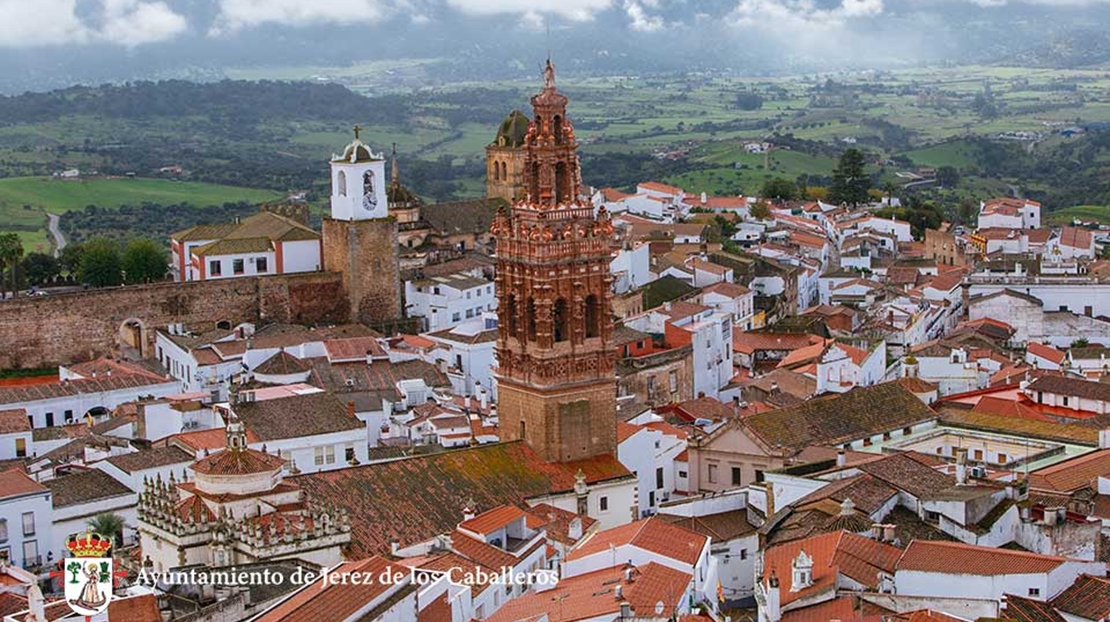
(296, 416)
(666, 428)
(593, 595)
(255, 234)
(861, 412)
(491, 520)
(1076, 237)
(729, 290)
(652, 534)
(626, 431)
(838, 552)
(461, 217)
(237, 462)
(708, 266)
(448, 561)
(1020, 609)
(752, 342)
(336, 601)
(416, 498)
(612, 194)
(151, 458)
(1047, 430)
(709, 408)
(84, 487)
(215, 438)
(717, 202)
(1061, 385)
(917, 385)
(69, 388)
(869, 494)
(1088, 597)
(556, 521)
(10, 603)
(16, 483)
(487, 554)
(14, 421)
(1046, 352)
(357, 348)
(928, 615)
(943, 557)
(844, 608)
(280, 364)
(910, 471)
(946, 282)
(659, 187)
(1072, 474)
(803, 355)
(720, 527)
(141, 608)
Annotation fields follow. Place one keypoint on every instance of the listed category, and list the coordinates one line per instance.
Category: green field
(1097, 213)
(25, 201)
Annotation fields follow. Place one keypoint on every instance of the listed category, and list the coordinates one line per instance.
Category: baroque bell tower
(556, 388)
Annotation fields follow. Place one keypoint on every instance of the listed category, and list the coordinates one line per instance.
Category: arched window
(504, 171)
(558, 129)
(496, 174)
(368, 183)
(510, 316)
(341, 184)
(593, 317)
(560, 319)
(561, 182)
(530, 318)
(523, 429)
(534, 183)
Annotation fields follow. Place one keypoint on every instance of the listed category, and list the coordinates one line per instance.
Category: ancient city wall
(49, 330)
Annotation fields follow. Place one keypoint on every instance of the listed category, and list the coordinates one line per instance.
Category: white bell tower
(358, 183)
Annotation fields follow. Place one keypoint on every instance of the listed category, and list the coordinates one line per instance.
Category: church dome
(357, 151)
(512, 130)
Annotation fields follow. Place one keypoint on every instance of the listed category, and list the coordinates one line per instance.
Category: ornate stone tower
(360, 237)
(556, 388)
(505, 159)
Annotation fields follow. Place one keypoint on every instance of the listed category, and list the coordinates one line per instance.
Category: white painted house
(263, 244)
(25, 527)
(446, 301)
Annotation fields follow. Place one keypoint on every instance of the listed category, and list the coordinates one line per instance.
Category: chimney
(483, 398)
(466, 403)
(961, 466)
(888, 533)
(468, 512)
(773, 602)
(704, 198)
(574, 530)
(351, 410)
(841, 458)
(774, 388)
(618, 592)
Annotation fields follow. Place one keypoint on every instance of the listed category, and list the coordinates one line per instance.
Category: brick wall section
(365, 253)
(561, 424)
(43, 331)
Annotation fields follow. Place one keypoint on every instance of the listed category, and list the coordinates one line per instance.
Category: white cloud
(640, 19)
(793, 18)
(24, 23)
(237, 14)
(577, 10)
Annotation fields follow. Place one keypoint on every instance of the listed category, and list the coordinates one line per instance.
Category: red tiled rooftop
(1046, 352)
(492, 520)
(335, 601)
(1072, 474)
(659, 187)
(237, 462)
(14, 420)
(15, 483)
(946, 557)
(650, 534)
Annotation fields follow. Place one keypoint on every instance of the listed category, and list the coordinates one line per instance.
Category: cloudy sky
(130, 23)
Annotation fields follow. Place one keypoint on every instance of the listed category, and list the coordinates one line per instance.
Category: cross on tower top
(358, 128)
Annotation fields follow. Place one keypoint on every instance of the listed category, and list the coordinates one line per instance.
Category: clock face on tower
(369, 202)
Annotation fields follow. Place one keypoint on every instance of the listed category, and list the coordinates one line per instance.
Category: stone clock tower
(556, 386)
(360, 238)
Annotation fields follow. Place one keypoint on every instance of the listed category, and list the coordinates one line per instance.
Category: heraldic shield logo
(88, 574)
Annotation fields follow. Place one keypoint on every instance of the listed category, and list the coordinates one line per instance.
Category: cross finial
(358, 128)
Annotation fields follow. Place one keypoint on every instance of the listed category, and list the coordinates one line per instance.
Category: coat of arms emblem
(88, 574)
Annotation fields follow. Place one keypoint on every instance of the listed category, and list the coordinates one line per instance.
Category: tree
(11, 250)
(144, 261)
(967, 212)
(948, 176)
(749, 100)
(100, 263)
(40, 268)
(108, 524)
(760, 210)
(1082, 342)
(850, 183)
(69, 260)
(779, 189)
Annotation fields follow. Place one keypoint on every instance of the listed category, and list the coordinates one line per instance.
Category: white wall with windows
(447, 302)
(25, 528)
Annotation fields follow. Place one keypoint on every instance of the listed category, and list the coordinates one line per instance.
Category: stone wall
(365, 253)
(44, 331)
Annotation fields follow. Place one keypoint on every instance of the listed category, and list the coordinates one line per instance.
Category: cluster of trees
(920, 214)
(148, 220)
(749, 100)
(850, 183)
(100, 262)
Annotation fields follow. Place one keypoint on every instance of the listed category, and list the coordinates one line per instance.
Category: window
(28, 523)
(561, 318)
(743, 553)
(325, 455)
(69, 416)
(1065, 400)
(455, 317)
(215, 267)
(523, 429)
(349, 453)
(469, 313)
(458, 361)
(712, 474)
(978, 455)
(3, 530)
(651, 499)
(603, 503)
(659, 477)
(30, 553)
(341, 184)
(682, 474)
(1002, 458)
(906, 431)
(49, 419)
(21, 448)
(736, 477)
(237, 266)
(1035, 591)
(260, 265)
(651, 387)
(673, 378)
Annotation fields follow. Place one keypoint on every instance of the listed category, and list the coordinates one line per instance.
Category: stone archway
(133, 339)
